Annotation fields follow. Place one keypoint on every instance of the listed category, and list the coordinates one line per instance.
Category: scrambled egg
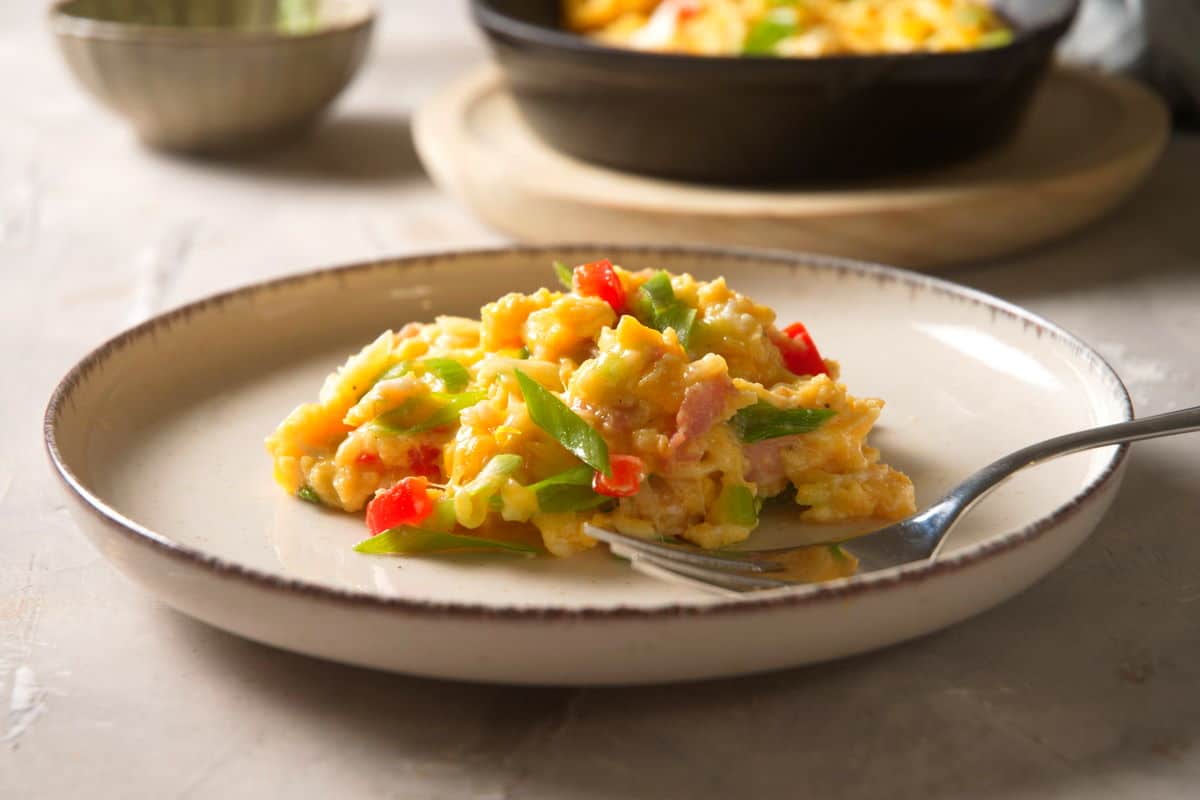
(789, 27)
(698, 390)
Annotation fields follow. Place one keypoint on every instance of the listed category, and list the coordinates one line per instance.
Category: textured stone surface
(1086, 686)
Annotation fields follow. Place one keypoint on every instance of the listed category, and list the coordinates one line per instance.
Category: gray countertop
(1085, 686)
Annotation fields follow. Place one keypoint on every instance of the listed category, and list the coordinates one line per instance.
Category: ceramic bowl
(767, 120)
(213, 75)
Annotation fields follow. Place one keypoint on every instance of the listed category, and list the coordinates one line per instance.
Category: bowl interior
(285, 17)
(1025, 16)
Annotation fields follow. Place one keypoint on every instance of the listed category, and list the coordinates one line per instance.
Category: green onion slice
(736, 506)
(657, 306)
(490, 478)
(681, 318)
(473, 501)
(395, 371)
(998, 38)
(564, 497)
(565, 275)
(658, 289)
(777, 25)
(415, 414)
(309, 495)
(443, 517)
(567, 428)
(451, 373)
(406, 540)
(569, 490)
(764, 421)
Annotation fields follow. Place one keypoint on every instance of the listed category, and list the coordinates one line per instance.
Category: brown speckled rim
(807, 594)
(63, 23)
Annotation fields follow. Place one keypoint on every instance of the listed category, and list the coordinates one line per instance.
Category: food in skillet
(654, 404)
(789, 27)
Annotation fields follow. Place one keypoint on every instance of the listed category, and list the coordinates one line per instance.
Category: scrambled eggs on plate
(789, 27)
(650, 403)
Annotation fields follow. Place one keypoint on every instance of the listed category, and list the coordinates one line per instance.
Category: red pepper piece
(367, 458)
(800, 353)
(628, 472)
(599, 279)
(406, 503)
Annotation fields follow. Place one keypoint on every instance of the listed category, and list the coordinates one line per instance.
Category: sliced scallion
(565, 275)
(567, 428)
(765, 421)
(451, 373)
(419, 414)
(405, 540)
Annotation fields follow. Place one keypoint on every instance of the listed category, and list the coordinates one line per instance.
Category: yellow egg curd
(798, 28)
(654, 404)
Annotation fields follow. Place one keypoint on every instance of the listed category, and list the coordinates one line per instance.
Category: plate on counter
(157, 436)
(1086, 143)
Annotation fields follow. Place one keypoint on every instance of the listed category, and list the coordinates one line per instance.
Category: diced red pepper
(406, 503)
(599, 279)
(628, 472)
(369, 459)
(800, 353)
(425, 460)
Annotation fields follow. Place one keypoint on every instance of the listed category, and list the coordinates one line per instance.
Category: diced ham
(614, 422)
(764, 464)
(705, 403)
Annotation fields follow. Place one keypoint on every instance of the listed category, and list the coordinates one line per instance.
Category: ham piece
(764, 464)
(705, 403)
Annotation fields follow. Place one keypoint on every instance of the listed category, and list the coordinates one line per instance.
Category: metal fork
(917, 538)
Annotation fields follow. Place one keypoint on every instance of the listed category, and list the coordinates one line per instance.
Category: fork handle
(974, 488)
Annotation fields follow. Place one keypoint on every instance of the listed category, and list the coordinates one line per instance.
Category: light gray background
(1086, 686)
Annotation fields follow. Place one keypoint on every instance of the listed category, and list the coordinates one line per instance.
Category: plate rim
(792, 597)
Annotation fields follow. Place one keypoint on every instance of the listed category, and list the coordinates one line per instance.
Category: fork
(917, 538)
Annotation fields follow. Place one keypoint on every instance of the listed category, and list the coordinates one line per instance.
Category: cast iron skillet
(767, 120)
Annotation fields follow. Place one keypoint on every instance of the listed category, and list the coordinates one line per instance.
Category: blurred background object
(1173, 63)
(1156, 40)
(764, 119)
(214, 75)
(923, 160)
(1107, 34)
(1087, 142)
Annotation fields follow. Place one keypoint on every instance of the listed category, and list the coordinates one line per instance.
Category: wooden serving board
(1086, 143)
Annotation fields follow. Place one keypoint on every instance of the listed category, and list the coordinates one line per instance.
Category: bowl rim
(496, 23)
(64, 24)
(805, 594)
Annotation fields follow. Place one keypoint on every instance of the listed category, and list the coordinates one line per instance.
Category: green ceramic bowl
(214, 75)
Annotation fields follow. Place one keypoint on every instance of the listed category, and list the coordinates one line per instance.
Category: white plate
(158, 437)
